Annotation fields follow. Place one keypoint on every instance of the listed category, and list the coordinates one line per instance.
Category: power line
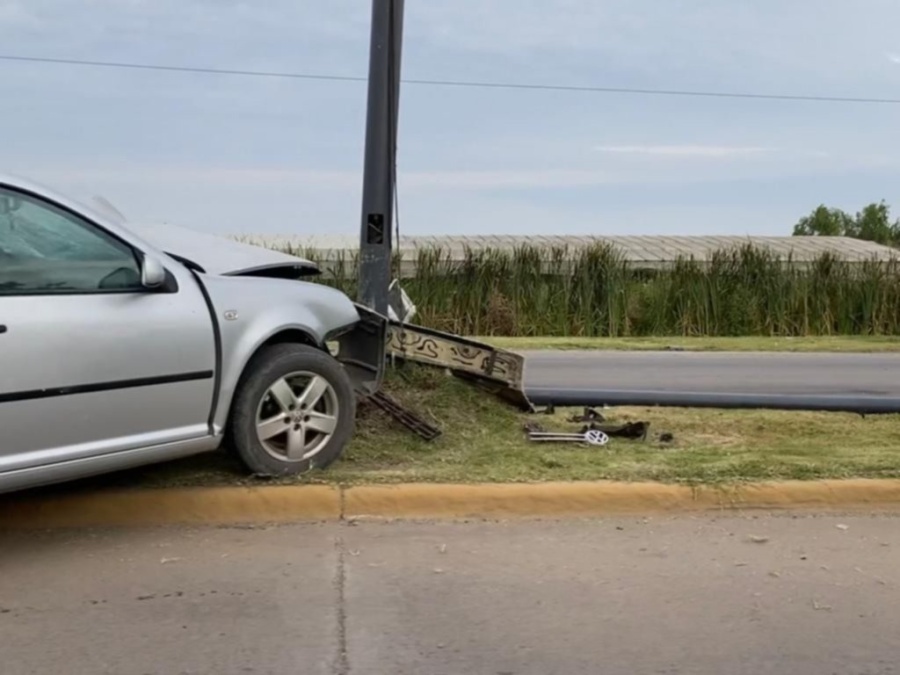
(182, 69)
(458, 83)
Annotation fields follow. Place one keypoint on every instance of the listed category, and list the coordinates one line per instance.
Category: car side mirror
(153, 274)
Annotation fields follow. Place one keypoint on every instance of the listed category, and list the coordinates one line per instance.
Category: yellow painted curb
(284, 504)
(850, 494)
(609, 498)
(549, 499)
(176, 506)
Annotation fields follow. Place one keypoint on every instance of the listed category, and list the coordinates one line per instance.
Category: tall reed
(533, 291)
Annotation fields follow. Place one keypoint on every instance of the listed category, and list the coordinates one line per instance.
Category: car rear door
(91, 361)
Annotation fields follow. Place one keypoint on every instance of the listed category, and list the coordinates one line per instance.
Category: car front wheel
(294, 410)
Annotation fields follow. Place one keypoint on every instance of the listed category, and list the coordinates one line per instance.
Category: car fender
(250, 311)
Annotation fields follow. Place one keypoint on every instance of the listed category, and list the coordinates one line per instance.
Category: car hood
(215, 254)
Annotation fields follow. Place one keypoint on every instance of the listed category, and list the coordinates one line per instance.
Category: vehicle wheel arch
(282, 335)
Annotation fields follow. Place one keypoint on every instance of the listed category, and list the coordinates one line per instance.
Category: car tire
(288, 400)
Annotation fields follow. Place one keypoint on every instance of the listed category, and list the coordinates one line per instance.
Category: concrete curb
(282, 504)
(610, 498)
(174, 506)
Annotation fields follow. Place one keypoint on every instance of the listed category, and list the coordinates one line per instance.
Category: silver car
(122, 346)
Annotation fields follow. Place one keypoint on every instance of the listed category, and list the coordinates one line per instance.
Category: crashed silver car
(123, 345)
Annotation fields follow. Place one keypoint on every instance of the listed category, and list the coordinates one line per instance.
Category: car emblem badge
(231, 315)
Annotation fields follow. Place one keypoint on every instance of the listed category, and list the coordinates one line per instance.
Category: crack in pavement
(341, 664)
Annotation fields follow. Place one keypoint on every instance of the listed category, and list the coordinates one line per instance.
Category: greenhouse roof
(651, 249)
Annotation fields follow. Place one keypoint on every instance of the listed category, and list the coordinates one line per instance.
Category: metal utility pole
(375, 243)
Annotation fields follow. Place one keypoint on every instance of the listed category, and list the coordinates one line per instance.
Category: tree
(873, 223)
(824, 222)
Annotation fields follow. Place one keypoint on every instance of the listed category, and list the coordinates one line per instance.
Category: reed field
(593, 292)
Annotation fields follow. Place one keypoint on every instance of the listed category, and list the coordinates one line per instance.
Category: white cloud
(506, 179)
(706, 151)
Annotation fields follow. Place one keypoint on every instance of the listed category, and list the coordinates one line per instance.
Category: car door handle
(2, 329)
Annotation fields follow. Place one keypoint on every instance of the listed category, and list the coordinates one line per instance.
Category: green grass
(484, 441)
(840, 343)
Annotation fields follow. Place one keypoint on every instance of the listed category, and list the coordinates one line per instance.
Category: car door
(91, 361)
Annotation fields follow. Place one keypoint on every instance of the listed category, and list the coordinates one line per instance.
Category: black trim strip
(54, 392)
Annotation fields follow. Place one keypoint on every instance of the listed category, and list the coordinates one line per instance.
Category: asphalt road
(699, 596)
(717, 372)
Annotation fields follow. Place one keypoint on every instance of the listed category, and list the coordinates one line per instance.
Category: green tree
(873, 223)
(824, 222)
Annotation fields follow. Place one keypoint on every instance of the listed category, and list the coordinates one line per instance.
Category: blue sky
(235, 154)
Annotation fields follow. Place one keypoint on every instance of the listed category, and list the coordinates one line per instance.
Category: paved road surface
(755, 373)
(755, 596)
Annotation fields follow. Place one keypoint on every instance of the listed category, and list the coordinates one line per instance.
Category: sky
(241, 155)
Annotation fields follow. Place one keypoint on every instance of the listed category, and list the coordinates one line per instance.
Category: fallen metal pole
(864, 405)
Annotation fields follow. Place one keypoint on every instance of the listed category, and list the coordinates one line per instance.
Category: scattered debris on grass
(404, 415)
(589, 415)
(595, 433)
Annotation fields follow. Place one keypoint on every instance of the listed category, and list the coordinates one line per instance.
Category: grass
(839, 343)
(592, 292)
(484, 441)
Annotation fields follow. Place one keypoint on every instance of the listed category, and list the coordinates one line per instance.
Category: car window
(45, 249)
